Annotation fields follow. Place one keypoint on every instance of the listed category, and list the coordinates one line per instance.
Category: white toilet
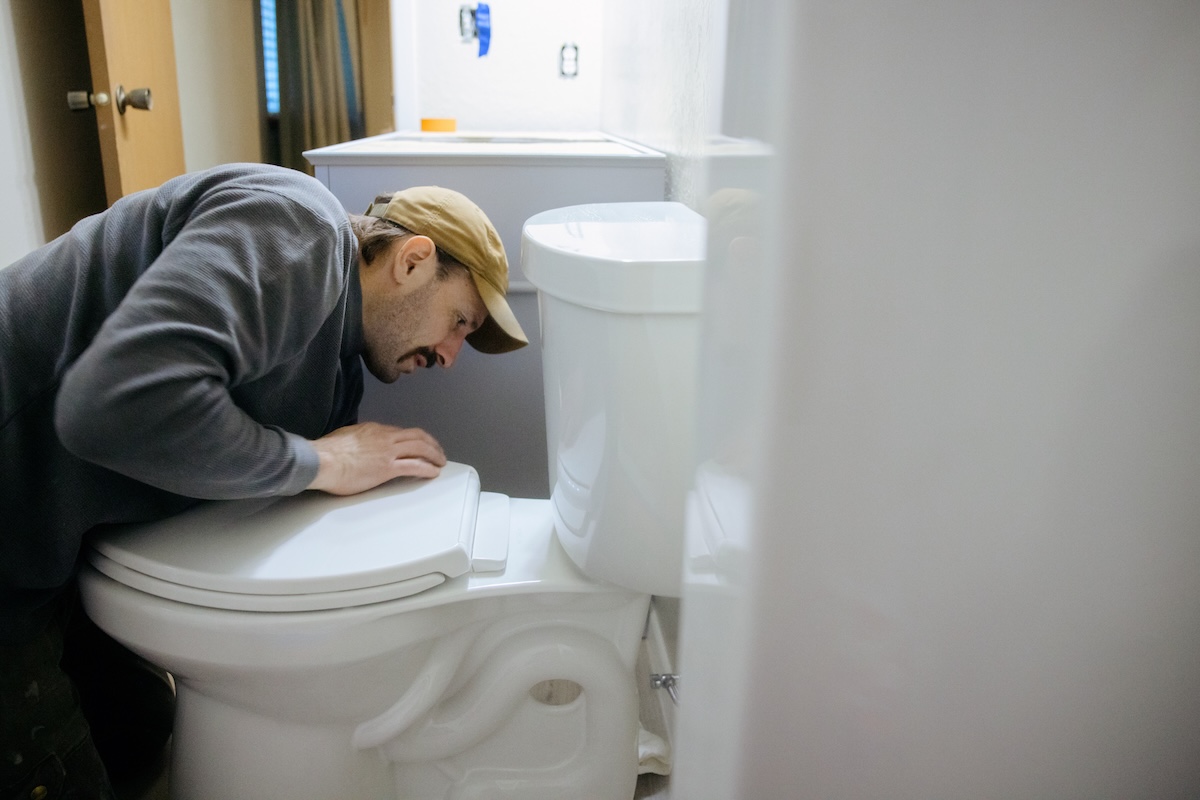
(426, 640)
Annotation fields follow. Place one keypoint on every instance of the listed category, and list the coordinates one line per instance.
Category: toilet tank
(619, 290)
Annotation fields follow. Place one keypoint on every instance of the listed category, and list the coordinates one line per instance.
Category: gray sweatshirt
(185, 344)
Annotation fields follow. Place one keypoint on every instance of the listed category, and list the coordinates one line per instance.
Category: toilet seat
(314, 551)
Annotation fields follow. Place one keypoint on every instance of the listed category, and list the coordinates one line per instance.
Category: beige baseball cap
(460, 227)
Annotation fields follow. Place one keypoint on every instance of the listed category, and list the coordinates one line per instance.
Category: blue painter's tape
(483, 24)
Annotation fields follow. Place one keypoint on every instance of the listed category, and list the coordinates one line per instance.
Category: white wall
(968, 558)
(659, 88)
(516, 86)
(20, 220)
(644, 69)
(216, 63)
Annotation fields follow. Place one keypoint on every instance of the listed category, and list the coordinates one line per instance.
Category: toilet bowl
(426, 639)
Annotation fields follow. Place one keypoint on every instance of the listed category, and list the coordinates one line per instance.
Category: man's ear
(412, 258)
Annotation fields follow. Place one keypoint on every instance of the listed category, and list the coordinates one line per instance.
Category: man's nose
(447, 351)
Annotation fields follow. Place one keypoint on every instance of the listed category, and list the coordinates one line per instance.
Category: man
(202, 341)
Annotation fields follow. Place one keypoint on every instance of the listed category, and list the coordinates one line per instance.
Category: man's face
(419, 319)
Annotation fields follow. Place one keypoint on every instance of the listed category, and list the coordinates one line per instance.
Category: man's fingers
(421, 450)
(417, 436)
(416, 468)
(358, 457)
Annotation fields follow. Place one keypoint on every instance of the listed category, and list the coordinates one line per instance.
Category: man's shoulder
(266, 177)
(268, 174)
(265, 182)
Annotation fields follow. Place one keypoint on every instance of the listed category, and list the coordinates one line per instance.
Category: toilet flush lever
(667, 681)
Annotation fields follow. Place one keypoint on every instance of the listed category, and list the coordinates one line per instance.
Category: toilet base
(492, 735)
(418, 698)
(220, 751)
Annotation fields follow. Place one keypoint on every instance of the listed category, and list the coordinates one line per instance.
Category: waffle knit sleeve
(241, 289)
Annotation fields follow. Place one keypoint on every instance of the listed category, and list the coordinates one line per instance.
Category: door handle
(138, 98)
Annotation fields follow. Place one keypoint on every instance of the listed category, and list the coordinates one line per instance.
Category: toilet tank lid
(312, 542)
(626, 257)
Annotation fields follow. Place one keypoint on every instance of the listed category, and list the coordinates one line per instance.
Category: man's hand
(360, 457)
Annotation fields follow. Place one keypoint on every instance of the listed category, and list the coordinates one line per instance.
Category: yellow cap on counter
(439, 124)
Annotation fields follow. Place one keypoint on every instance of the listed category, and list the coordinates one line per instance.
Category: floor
(649, 786)
(652, 787)
(154, 787)
(151, 787)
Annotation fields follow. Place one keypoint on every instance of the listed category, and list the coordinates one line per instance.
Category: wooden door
(131, 46)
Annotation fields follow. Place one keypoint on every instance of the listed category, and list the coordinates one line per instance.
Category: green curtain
(320, 80)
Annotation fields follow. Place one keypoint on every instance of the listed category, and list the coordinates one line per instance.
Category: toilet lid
(406, 532)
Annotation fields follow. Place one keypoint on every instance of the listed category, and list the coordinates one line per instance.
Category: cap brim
(500, 332)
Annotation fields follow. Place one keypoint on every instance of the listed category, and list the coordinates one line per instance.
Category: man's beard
(402, 322)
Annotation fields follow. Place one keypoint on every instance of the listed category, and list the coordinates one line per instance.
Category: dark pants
(76, 708)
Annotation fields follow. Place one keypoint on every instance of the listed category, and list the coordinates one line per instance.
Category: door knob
(138, 98)
(78, 101)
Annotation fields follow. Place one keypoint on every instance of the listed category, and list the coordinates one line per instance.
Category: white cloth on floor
(654, 754)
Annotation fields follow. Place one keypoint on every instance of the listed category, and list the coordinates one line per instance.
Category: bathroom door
(131, 47)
